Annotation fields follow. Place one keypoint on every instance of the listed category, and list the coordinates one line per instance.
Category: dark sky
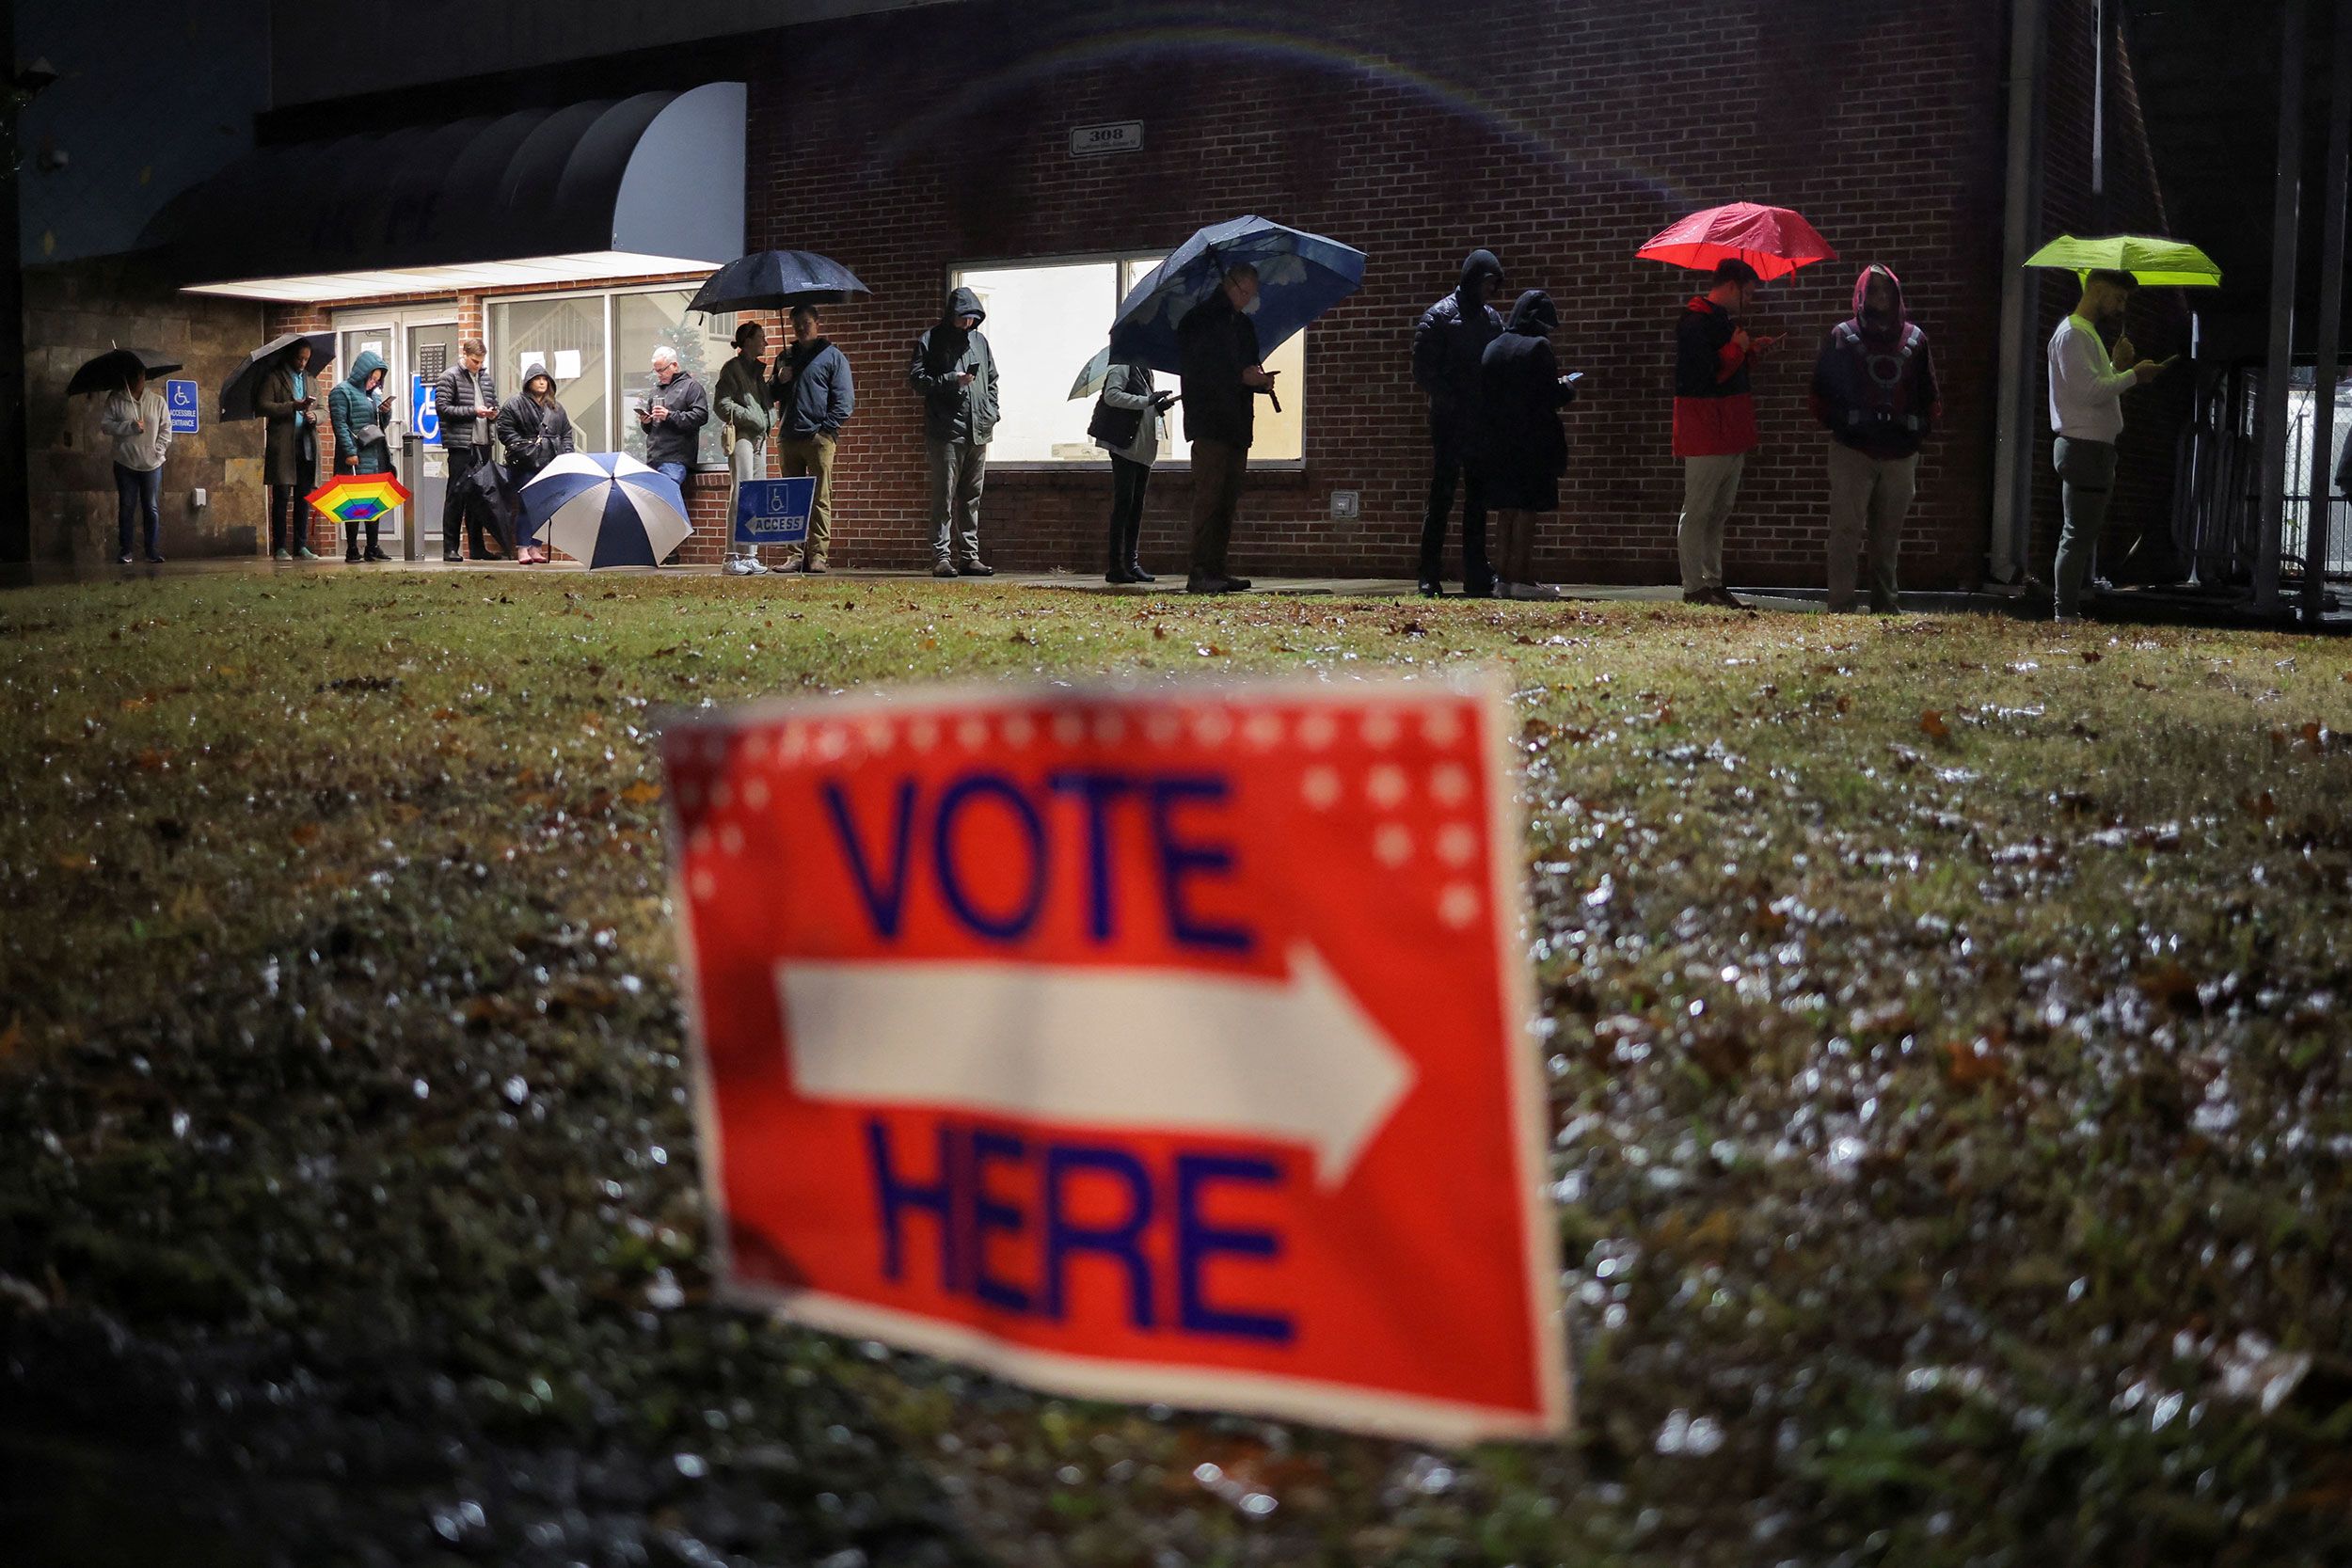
(152, 97)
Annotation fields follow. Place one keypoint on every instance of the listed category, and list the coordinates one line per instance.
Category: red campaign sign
(1164, 1046)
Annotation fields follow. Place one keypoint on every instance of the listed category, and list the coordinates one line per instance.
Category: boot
(1503, 528)
(374, 554)
(351, 543)
(1134, 554)
(1119, 571)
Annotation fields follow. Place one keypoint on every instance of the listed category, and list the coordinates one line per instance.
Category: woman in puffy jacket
(362, 445)
(532, 431)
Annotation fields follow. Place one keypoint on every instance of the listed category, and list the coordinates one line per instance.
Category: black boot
(1134, 554)
(351, 543)
(374, 554)
(1119, 571)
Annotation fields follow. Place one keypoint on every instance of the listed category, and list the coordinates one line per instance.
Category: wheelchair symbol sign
(179, 400)
(773, 511)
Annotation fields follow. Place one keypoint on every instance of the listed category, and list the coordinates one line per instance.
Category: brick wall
(1558, 134)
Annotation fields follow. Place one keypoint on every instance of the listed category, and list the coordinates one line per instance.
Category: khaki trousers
(1710, 487)
(1868, 496)
(812, 459)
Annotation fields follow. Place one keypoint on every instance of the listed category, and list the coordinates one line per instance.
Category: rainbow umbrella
(359, 497)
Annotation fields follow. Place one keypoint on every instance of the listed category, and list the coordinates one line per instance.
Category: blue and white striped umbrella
(605, 507)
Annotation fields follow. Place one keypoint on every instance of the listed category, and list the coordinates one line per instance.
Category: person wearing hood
(533, 430)
(135, 422)
(1222, 374)
(815, 397)
(954, 370)
(357, 417)
(1523, 450)
(1714, 423)
(1448, 344)
(1129, 423)
(289, 451)
(1874, 389)
(745, 401)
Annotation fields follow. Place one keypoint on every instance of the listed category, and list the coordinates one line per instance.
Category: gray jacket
(675, 439)
(953, 411)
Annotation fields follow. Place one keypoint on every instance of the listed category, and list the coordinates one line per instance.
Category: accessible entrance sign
(179, 405)
(1164, 1046)
(774, 511)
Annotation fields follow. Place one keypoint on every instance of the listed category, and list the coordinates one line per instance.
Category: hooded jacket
(1215, 343)
(140, 450)
(531, 436)
(1874, 384)
(951, 410)
(352, 407)
(1448, 343)
(1524, 449)
(1715, 411)
(821, 395)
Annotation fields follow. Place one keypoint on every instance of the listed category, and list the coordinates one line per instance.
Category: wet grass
(1945, 1020)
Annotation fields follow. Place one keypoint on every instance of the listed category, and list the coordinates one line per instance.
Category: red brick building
(911, 144)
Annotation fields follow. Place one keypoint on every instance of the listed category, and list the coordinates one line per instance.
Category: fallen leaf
(2092, 656)
(1932, 725)
(306, 833)
(1973, 1064)
(643, 792)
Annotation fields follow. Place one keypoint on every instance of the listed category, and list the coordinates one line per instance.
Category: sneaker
(942, 570)
(1431, 589)
(123, 560)
(976, 569)
(304, 552)
(737, 566)
(352, 556)
(282, 555)
(451, 557)
(376, 554)
(155, 558)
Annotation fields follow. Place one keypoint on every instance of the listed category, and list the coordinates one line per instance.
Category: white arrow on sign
(1293, 1059)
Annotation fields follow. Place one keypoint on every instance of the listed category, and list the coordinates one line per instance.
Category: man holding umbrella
(2086, 416)
(1714, 426)
(1223, 373)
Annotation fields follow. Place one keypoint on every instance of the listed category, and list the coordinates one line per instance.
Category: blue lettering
(1095, 792)
(896, 1196)
(1016, 922)
(991, 1214)
(1182, 858)
(1122, 1242)
(1198, 1241)
(885, 904)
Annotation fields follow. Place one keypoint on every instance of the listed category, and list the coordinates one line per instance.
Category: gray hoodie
(953, 411)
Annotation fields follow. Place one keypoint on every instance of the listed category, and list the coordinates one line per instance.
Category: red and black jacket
(1715, 411)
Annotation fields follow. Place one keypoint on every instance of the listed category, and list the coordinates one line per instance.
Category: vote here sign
(1160, 1045)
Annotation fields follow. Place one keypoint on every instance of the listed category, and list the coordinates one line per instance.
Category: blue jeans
(676, 470)
(138, 493)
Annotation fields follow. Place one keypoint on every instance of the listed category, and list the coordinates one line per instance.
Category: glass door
(431, 348)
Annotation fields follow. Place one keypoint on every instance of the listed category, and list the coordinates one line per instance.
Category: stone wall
(77, 311)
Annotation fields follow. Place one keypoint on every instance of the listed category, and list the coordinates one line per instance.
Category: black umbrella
(236, 393)
(776, 280)
(111, 371)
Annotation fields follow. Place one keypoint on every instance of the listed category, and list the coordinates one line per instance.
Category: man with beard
(1874, 388)
(2086, 416)
(1448, 344)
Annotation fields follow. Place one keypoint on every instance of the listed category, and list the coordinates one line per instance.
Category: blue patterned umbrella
(1300, 276)
(605, 507)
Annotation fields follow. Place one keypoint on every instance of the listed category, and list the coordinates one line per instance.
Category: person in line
(2086, 416)
(1874, 390)
(1714, 423)
(290, 452)
(815, 397)
(533, 430)
(1522, 450)
(357, 417)
(1223, 373)
(135, 422)
(1448, 343)
(673, 416)
(1129, 423)
(956, 372)
(746, 404)
(466, 400)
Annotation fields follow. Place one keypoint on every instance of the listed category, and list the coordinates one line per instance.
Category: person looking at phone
(1715, 421)
(1222, 374)
(673, 416)
(955, 370)
(2086, 416)
(1874, 390)
(290, 452)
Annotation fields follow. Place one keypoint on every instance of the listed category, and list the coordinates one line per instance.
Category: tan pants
(812, 458)
(1867, 495)
(1710, 487)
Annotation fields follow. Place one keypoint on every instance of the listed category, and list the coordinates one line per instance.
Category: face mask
(1251, 308)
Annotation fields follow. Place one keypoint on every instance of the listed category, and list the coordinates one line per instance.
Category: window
(1047, 319)
(597, 347)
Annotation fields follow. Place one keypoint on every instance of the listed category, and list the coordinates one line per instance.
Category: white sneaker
(740, 566)
(1532, 591)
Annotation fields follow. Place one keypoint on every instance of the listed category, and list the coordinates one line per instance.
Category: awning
(617, 188)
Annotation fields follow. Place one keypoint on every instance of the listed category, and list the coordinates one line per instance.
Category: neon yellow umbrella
(2157, 263)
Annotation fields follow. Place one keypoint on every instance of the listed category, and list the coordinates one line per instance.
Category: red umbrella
(1772, 240)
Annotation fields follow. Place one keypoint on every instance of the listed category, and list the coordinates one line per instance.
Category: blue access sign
(179, 402)
(773, 511)
(423, 418)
